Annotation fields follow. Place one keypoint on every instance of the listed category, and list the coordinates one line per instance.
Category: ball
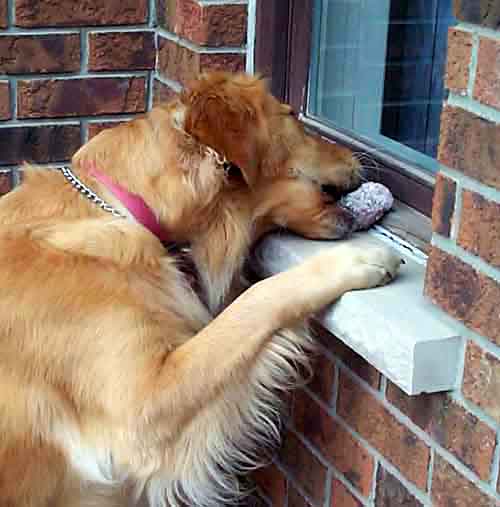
(368, 204)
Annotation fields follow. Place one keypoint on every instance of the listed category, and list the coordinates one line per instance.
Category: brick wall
(353, 438)
(70, 68)
(66, 69)
(195, 36)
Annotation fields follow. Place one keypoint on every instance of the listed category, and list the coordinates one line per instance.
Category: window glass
(378, 72)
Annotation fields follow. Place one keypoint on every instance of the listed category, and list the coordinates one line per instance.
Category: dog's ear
(228, 116)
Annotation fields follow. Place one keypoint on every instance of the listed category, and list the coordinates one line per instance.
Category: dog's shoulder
(115, 240)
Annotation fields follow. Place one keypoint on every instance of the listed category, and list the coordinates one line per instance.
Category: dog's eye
(233, 173)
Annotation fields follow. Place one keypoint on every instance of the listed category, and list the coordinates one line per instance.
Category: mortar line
(72, 121)
(457, 210)
(373, 492)
(84, 52)
(473, 65)
(481, 30)
(152, 13)
(474, 261)
(11, 15)
(329, 466)
(77, 75)
(199, 49)
(430, 473)
(468, 183)
(251, 35)
(328, 487)
(475, 107)
(290, 478)
(177, 87)
(422, 435)
(13, 100)
(18, 30)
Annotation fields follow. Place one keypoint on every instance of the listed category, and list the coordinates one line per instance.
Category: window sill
(394, 327)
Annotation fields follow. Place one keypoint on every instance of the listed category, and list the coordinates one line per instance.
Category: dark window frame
(282, 54)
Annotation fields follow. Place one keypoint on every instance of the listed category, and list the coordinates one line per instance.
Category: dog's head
(279, 170)
(283, 168)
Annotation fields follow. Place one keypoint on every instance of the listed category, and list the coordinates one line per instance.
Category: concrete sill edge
(395, 328)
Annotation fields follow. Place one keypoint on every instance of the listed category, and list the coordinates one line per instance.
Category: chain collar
(77, 183)
(220, 160)
(88, 193)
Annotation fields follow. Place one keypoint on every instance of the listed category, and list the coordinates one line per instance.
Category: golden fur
(119, 385)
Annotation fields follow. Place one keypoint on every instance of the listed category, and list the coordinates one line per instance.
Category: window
(369, 73)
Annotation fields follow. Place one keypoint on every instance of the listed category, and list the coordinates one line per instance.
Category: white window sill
(394, 327)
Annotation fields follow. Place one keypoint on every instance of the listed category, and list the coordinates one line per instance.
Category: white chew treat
(368, 204)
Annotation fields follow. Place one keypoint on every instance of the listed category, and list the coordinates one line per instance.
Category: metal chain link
(92, 196)
(88, 193)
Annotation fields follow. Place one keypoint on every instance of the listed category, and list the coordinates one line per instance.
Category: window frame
(282, 54)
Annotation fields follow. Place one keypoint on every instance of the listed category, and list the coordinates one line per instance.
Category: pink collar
(134, 203)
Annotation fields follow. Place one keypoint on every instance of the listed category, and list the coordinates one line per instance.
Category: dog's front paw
(325, 277)
(360, 267)
(373, 266)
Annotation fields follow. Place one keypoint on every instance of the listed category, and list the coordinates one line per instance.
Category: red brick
(365, 414)
(181, 64)
(121, 51)
(450, 489)
(478, 12)
(481, 383)
(3, 14)
(471, 145)
(323, 376)
(487, 85)
(306, 469)
(354, 361)
(342, 497)
(344, 452)
(50, 98)
(295, 499)
(464, 293)
(40, 144)
(95, 128)
(231, 62)
(162, 93)
(451, 426)
(5, 182)
(458, 60)
(209, 25)
(480, 227)
(177, 62)
(443, 207)
(31, 13)
(4, 100)
(273, 483)
(27, 54)
(391, 492)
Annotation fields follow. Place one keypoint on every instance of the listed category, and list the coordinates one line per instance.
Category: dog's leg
(32, 472)
(196, 372)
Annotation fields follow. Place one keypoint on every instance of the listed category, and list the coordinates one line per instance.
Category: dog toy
(369, 203)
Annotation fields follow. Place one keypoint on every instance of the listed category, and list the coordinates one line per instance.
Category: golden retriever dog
(122, 382)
